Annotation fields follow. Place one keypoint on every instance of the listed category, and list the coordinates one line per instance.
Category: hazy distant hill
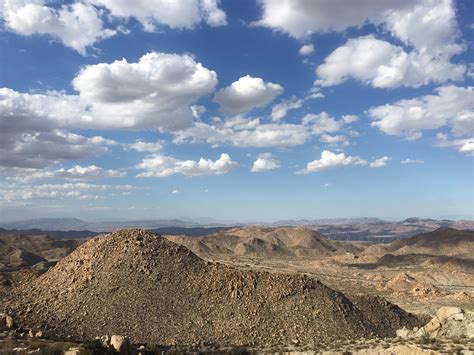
(351, 229)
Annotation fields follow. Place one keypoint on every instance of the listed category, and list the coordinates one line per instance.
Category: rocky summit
(137, 284)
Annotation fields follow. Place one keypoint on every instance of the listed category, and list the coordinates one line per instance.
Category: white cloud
(212, 14)
(465, 145)
(163, 166)
(174, 14)
(306, 49)
(77, 172)
(451, 105)
(338, 140)
(383, 65)
(322, 123)
(20, 192)
(380, 163)
(427, 25)
(248, 133)
(280, 110)
(198, 111)
(76, 25)
(411, 161)
(349, 118)
(246, 94)
(32, 134)
(148, 147)
(330, 160)
(41, 149)
(155, 92)
(265, 162)
(300, 18)
(175, 191)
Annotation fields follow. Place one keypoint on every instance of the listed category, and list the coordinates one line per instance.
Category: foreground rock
(153, 291)
(450, 322)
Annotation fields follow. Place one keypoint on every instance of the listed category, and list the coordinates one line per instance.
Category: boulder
(449, 312)
(122, 345)
(404, 333)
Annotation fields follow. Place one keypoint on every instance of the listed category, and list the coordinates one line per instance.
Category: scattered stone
(9, 322)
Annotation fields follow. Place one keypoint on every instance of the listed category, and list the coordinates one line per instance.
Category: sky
(249, 110)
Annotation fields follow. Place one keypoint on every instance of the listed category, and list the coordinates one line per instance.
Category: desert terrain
(245, 289)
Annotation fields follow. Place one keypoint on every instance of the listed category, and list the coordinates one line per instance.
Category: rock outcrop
(450, 322)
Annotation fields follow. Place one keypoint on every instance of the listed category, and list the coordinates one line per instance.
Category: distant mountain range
(362, 229)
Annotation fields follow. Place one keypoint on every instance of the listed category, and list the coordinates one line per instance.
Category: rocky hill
(282, 242)
(441, 242)
(18, 251)
(137, 284)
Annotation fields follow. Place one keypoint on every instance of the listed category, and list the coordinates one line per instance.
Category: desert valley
(240, 289)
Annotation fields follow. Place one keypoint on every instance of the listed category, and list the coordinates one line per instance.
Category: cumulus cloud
(155, 92)
(380, 163)
(247, 133)
(246, 94)
(300, 18)
(424, 24)
(329, 161)
(465, 145)
(147, 147)
(451, 105)
(77, 172)
(164, 166)
(32, 133)
(174, 14)
(280, 110)
(337, 140)
(265, 162)
(306, 49)
(427, 27)
(411, 161)
(323, 123)
(14, 192)
(76, 25)
(41, 149)
(380, 64)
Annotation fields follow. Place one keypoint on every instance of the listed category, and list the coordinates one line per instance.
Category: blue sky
(236, 110)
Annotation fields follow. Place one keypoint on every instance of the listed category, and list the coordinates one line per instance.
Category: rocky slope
(283, 242)
(444, 242)
(18, 251)
(137, 284)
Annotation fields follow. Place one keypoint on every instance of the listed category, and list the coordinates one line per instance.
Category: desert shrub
(425, 339)
(93, 347)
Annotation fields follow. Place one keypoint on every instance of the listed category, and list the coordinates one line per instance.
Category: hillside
(18, 251)
(441, 242)
(137, 284)
(283, 242)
